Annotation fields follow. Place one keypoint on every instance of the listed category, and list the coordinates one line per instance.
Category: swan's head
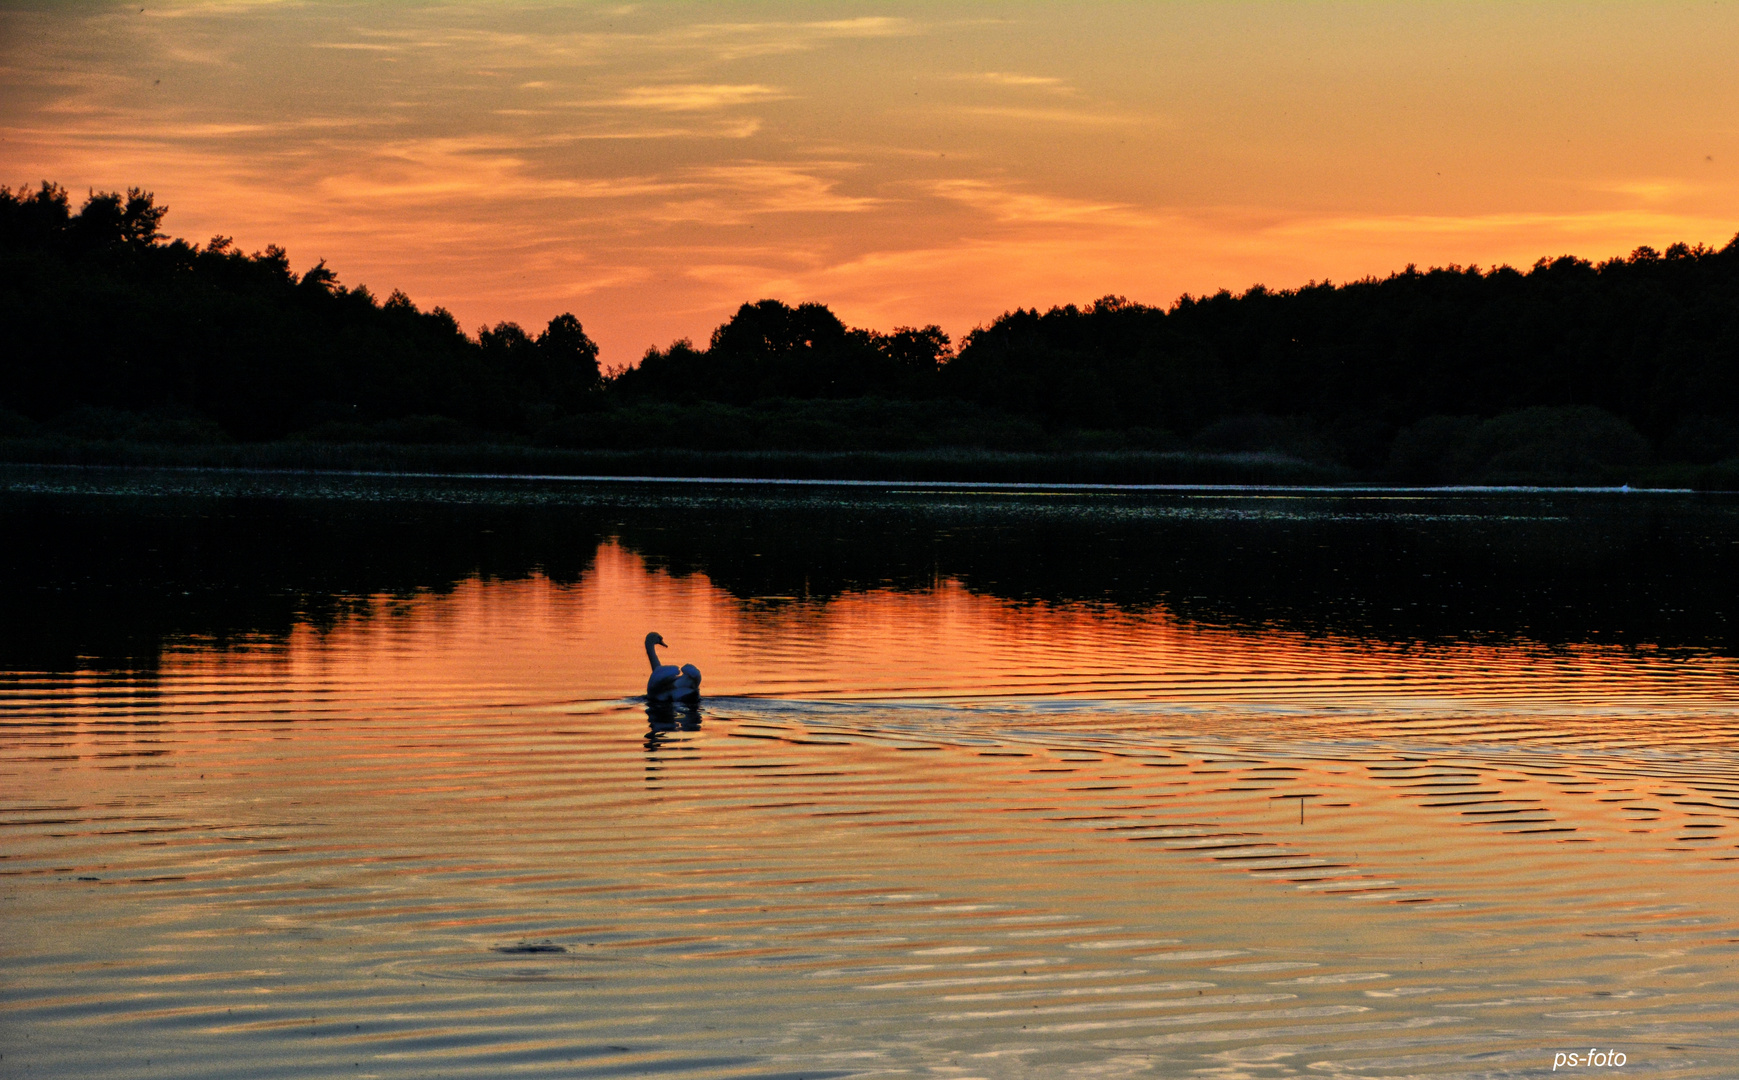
(654, 639)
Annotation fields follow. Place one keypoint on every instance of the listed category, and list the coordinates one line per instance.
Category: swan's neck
(651, 655)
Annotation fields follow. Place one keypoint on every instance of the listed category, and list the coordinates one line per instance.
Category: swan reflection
(667, 725)
(666, 716)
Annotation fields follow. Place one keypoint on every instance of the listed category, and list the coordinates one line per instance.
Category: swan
(668, 682)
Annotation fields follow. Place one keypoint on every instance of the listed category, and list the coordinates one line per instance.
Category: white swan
(668, 682)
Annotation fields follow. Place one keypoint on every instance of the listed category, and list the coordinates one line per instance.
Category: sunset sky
(649, 167)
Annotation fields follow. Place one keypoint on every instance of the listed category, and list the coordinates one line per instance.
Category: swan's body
(669, 682)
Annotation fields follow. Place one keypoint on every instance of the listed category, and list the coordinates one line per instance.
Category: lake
(348, 776)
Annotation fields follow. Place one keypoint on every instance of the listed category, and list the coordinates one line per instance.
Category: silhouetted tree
(1652, 340)
(108, 314)
(769, 349)
(1568, 367)
(570, 358)
(921, 351)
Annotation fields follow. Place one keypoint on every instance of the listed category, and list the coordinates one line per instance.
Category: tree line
(106, 315)
(1568, 368)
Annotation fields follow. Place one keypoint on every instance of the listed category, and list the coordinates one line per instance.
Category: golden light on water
(651, 166)
(938, 826)
(536, 642)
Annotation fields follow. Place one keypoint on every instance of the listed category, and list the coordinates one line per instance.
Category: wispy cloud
(1054, 117)
(1007, 205)
(143, 128)
(1022, 82)
(708, 42)
(742, 40)
(1650, 190)
(1534, 227)
(734, 193)
(863, 27)
(181, 9)
(696, 97)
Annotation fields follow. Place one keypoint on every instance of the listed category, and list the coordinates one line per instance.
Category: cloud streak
(1023, 82)
(696, 97)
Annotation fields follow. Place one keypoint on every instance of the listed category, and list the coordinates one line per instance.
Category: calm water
(346, 777)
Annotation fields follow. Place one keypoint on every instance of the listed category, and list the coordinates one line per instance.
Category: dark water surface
(345, 777)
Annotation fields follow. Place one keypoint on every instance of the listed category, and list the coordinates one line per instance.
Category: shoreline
(942, 469)
(1352, 489)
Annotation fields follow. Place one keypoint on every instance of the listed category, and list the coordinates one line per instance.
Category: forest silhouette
(1568, 371)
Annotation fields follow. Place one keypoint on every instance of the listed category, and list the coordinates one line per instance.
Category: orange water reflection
(535, 641)
(1034, 833)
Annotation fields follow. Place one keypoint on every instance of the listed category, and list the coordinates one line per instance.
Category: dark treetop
(1569, 370)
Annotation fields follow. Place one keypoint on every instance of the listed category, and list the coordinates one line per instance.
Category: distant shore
(936, 465)
(133, 349)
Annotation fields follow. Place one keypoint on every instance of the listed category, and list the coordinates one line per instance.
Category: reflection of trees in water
(1559, 570)
(94, 581)
(105, 581)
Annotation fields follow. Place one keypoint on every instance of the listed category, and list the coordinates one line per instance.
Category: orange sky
(649, 167)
